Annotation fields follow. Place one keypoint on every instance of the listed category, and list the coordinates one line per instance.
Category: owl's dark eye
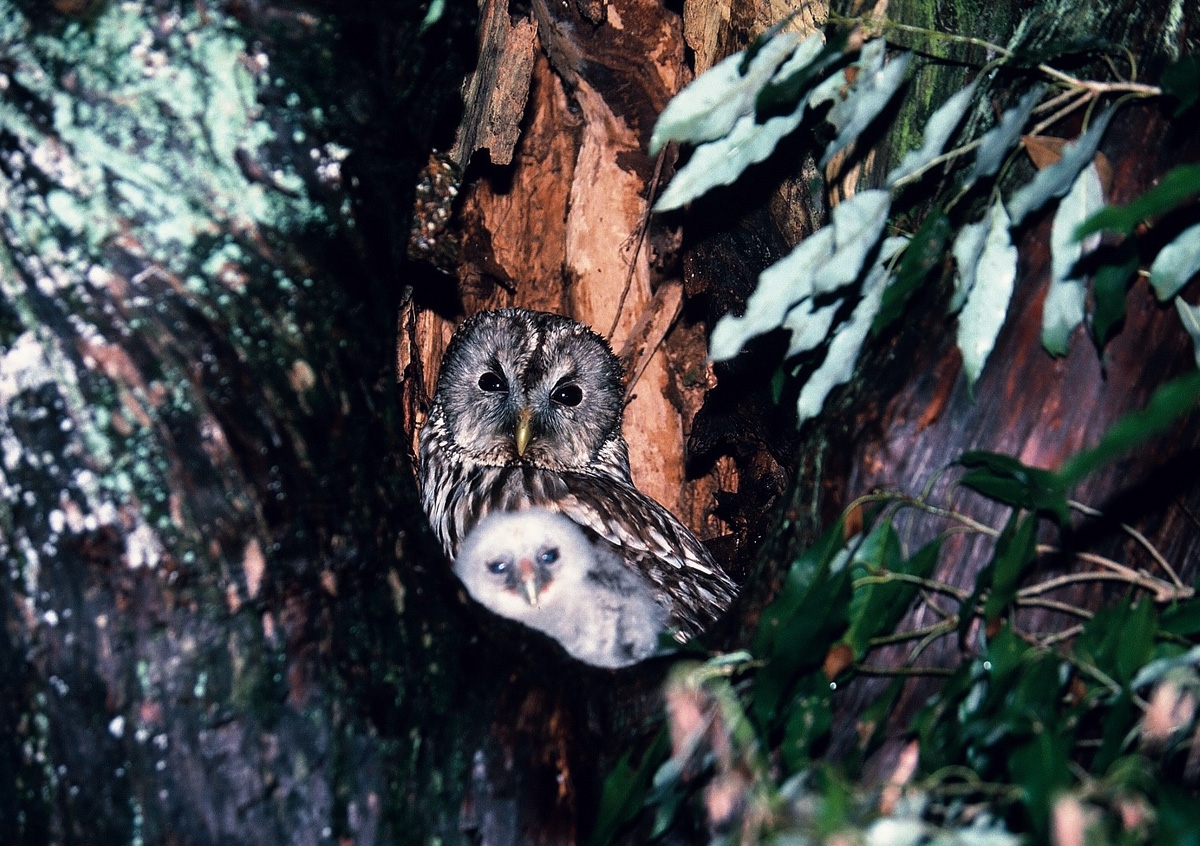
(492, 383)
(568, 395)
(497, 566)
(548, 555)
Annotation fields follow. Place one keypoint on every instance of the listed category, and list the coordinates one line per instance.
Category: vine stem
(1137, 536)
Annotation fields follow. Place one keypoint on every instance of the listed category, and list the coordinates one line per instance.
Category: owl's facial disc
(531, 388)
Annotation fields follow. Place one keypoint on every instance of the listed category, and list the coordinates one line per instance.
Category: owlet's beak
(524, 431)
(528, 580)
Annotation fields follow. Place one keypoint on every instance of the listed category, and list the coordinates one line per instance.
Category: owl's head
(518, 562)
(520, 386)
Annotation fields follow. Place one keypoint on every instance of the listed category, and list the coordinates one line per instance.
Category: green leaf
(1152, 671)
(709, 106)
(797, 629)
(1109, 288)
(1057, 179)
(1182, 81)
(1005, 479)
(1176, 263)
(625, 790)
(1190, 315)
(1042, 769)
(1117, 724)
(1016, 549)
(1170, 402)
(806, 572)
(986, 305)
(1179, 186)
(810, 717)
(1062, 310)
(1119, 640)
(857, 105)
(872, 723)
(1182, 619)
(1176, 817)
(925, 252)
(1000, 140)
(878, 607)
(942, 124)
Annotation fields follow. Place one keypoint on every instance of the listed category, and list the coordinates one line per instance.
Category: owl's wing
(649, 539)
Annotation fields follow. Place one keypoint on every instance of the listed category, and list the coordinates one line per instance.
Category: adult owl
(539, 568)
(527, 413)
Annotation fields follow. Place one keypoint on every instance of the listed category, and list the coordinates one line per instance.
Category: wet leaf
(1176, 263)
(809, 328)
(820, 263)
(1109, 289)
(1182, 81)
(941, 126)
(872, 89)
(1058, 178)
(967, 248)
(986, 305)
(1062, 310)
(747, 140)
(1190, 315)
(838, 366)
(1179, 186)
(1016, 549)
(1000, 140)
(709, 106)
(925, 252)
(792, 81)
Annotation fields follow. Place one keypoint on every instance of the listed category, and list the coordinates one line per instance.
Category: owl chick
(539, 568)
(527, 413)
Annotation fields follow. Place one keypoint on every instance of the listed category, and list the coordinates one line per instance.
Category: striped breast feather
(650, 539)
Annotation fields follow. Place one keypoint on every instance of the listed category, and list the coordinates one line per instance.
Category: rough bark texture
(224, 618)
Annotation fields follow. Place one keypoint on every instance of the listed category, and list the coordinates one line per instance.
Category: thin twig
(639, 239)
(903, 671)
(1054, 605)
(1059, 637)
(900, 637)
(1137, 536)
(928, 584)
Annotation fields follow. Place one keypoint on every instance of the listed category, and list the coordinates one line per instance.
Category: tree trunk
(226, 619)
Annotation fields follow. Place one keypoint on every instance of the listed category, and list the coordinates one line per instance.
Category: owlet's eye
(569, 395)
(548, 555)
(492, 383)
(497, 566)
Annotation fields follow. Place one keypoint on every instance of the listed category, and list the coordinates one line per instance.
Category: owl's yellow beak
(524, 430)
(528, 580)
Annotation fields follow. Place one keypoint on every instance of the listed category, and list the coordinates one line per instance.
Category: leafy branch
(851, 278)
(1020, 717)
